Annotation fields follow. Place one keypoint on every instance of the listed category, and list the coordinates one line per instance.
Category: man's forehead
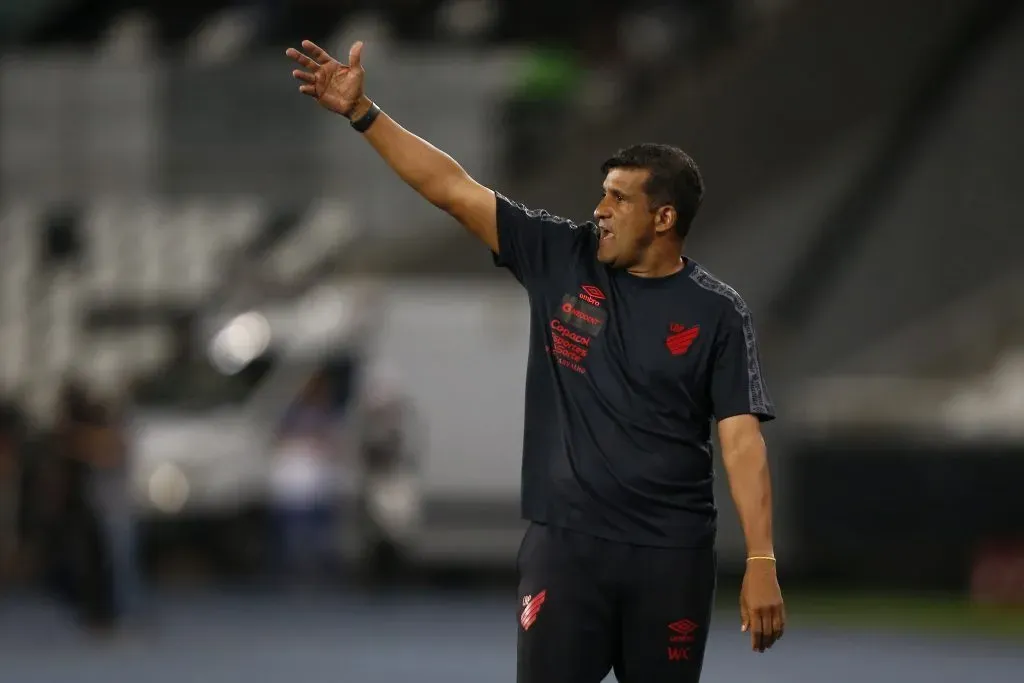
(625, 177)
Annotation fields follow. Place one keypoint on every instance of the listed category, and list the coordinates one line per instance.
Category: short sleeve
(737, 382)
(533, 243)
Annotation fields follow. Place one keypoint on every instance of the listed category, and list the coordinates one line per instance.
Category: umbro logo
(681, 631)
(683, 627)
(592, 295)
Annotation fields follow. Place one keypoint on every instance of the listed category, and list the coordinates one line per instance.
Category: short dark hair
(674, 178)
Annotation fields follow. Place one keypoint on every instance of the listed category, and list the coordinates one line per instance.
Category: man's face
(624, 216)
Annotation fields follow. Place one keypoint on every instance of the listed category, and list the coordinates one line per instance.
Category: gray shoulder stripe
(537, 213)
(757, 392)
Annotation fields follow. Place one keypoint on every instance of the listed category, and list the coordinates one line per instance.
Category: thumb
(744, 616)
(355, 54)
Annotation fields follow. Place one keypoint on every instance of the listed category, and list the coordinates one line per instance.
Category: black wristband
(363, 123)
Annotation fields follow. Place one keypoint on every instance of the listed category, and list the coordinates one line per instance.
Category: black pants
(588, 606)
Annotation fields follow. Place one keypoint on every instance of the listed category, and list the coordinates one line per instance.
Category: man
(81, 548)
(304, 503)
(11, 486)
(634, 350)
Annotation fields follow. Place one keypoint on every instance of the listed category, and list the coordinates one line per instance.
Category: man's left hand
(761, 610)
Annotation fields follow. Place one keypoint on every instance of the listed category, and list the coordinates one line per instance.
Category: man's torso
(618, 409)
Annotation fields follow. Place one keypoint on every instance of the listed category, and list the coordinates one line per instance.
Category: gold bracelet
(770, 558)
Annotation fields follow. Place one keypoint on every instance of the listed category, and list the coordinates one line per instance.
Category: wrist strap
(363, 123)
(770, 558)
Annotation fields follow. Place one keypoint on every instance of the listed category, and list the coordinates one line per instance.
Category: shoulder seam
(542, 214)
(757, 392)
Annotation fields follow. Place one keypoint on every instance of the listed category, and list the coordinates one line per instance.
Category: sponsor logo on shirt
(578, 320)
(592, 295)
(582, 315)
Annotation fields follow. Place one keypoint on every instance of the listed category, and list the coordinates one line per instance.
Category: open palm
(335, 86)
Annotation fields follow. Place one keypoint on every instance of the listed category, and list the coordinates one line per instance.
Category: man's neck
(661, 265)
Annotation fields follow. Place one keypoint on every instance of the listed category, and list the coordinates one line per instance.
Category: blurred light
(129, 36)
(168, 488)
(225, 36)
(395, 504)
(467, 19)
(324, 317)
(369, 27)
(241, 341)
(383, 385)
(991, 405)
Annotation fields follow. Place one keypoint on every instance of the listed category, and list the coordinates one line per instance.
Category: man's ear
(665, 218)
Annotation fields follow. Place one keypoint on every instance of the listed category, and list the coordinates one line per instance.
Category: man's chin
(607, 256)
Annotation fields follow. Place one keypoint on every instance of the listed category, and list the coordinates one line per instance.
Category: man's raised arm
(432, 173)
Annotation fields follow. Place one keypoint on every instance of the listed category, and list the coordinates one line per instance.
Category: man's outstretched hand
(335, 86)
(762, 612)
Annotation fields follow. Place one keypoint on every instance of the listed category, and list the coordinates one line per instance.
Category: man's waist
(692, 494)
(682, 528)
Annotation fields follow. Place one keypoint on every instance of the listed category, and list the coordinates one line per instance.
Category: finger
(317, 52)
(304, 76)
(744, 618)
(355, 54)
(767, 634)
(757, 632)
(778, 623)
(308, 90)
(302, 59)
(770, 634)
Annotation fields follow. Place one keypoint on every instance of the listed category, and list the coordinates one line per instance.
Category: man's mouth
(606, 234)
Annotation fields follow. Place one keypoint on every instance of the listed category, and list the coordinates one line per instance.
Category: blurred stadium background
(262, 406)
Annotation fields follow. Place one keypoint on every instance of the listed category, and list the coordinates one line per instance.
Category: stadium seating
(135, 253)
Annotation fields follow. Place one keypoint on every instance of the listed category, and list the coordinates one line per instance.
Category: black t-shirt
(624, 377)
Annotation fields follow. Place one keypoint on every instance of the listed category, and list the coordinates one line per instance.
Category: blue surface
(427, 638)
